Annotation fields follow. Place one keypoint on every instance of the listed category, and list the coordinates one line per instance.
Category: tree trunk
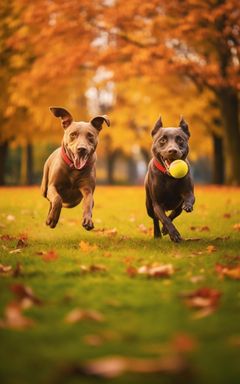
(132, 170)
(228, 99)
(110, 159)
(26, 174)
(30, 165)
(218, 160)
(3, 158)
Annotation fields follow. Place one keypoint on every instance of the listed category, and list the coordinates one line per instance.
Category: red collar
(159, 166)
(68, 161)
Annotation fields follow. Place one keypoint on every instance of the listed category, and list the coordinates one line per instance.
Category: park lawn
(142, 317)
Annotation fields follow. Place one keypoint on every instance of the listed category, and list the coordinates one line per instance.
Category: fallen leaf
(205, 300)
(78, 314)
(22, 241)
(204, 228)
(10, 218)
(93, 268)
(222, 238)
(156, 270)
(131, 271)
(114, 366)
(232, 272)
(7, 237)
(142, 228)
(24, 292)
(227, 215)
(17, 250)
(211, 248)
(13, 318)
(86, 247)
(49, 256)
(93, 340)
(5, 268)
(107, 232)
(183, 343)
(237, 227)
(197, 279)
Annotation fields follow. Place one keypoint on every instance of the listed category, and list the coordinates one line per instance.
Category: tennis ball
(178, 169)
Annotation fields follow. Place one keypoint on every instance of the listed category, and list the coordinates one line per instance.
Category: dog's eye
(73, 135)
(90, 137)
(163, 140)
(179, 140)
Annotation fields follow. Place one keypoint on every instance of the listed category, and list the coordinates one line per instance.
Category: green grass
(142, 316)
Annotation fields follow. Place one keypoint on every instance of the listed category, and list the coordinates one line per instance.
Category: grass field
(136, 316)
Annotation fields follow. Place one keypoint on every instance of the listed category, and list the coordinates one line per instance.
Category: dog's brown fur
(64, 186)
(164, 192)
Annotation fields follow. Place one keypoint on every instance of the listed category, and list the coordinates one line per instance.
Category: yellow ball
(178, 169)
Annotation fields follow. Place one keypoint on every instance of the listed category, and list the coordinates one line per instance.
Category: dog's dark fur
(163, 192)
(66, 186)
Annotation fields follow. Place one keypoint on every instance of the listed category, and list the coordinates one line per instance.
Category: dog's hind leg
(175, 213)
(157, 231)
(55, 206)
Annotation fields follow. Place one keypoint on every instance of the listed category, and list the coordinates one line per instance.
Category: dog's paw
(175, 236)
(52, 219)
(188, 207)
(51, 222)
(87, 223)
(164, 230)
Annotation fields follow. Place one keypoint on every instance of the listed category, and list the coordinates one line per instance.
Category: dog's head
(80, 138)
(170, 144)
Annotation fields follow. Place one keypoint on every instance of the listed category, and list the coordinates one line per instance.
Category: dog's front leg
(188, 201)
(167, 223)
(55, 206)
(87, 222)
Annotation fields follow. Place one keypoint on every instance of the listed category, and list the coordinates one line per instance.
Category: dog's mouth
(80, 158)
(167, 162)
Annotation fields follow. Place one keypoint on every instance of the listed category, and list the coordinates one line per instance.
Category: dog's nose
(172, 151)
(82, 150)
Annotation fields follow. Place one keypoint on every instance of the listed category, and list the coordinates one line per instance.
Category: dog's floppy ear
(98, 121)
(65, 116)
(184, 126)
(157, 126)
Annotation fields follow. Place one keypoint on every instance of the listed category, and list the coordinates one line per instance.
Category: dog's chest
(168, 192)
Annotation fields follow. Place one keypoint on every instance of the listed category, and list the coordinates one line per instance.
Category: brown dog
(69, 172)
(163, 192)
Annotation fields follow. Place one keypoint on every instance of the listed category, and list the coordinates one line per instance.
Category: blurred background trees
(132, 60)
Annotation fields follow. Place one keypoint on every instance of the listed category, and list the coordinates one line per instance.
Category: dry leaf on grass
(204, 228)
(115, 366)
(106, 232)
(7, 237)
(237, 227)
(5, 268)
(211, 248)
(93, 268)
(78, 314)
(86, 247)
(48, 256)
(155, 270)
(205, 300)
(17, 250)
(93, 340)
(25, 294)
(232, 272)
(182, 342)
(13, 318)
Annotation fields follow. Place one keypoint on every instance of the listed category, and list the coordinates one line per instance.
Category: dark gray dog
(163, 192)
(69, 172)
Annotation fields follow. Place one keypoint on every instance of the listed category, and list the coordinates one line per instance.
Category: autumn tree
(198, 39)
